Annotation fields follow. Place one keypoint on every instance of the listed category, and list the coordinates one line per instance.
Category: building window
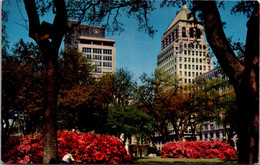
(191, 33)
(200, 67)
(200, 47)
(196, 46)
(198, 33)
(183, 32)
(193, 53)
(185, 66)
(97, 57)
(200, 60)
(204, 54)
(192, 67)
(107, 64)
(209, 68)
(86, 50)
(88, 56)
(97, 51)
(200, 53)
(189, 74)
(185, 52)
(188, 59)
(185, 81)
(180, 66)
(204, 67)
(185, 74)
(176, 33)
(107, 51)
(189, 81)
(97, 63)
(188, 52)
(107, 58)
(185, 45)
(197, 67)
(211, 126)
(179, 58)
(192, 59)
(97, 70)
(196, 53)
(185, 59)
(197, 74)
(197, 60)
(188, 66)
(180, 73)
(193, 74)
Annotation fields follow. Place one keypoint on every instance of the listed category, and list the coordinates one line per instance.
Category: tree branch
(34, 21)
(218, 41)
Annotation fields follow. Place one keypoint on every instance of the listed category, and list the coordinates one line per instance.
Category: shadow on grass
(159, 160)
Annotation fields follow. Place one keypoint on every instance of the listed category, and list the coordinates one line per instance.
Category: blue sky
(135, 50)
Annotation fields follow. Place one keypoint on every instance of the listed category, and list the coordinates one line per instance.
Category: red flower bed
(198, 149)
(88, 148)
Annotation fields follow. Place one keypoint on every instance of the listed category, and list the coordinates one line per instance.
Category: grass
(159, 160)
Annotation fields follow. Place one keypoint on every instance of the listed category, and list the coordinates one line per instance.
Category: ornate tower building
(184, 52)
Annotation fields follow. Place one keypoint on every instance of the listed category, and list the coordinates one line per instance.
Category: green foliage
(129, 120)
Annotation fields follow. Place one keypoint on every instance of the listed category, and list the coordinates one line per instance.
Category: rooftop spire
(184, 6)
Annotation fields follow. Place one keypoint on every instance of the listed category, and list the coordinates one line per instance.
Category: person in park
(68, 159)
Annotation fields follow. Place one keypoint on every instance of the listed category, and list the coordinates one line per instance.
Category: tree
(128, 120)
(244, 76)
(49, 36)
(153, 98)
(124, 86)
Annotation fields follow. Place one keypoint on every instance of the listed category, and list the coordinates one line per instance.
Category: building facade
(91, 41)
(184, 52)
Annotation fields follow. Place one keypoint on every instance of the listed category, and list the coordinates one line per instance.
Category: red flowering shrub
(88, 148)
(198, 149)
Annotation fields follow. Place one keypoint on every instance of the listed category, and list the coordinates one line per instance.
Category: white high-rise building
(184, 52)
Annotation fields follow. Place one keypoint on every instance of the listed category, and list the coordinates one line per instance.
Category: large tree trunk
(50, 113)
(49, 39)
(243, 76)
(248, 95)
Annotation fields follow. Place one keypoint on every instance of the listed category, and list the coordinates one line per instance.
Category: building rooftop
(183, 15)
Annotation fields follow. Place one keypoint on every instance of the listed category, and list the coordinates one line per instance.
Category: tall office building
(91, 41)
(184, 52)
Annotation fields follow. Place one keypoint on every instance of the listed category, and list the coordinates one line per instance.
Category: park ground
(159, 160)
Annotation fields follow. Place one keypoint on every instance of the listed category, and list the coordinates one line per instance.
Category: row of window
(193, 32)
(191, 74)
(99, 57)
(198, 60)
(193, 67)
(197, 46)
(105, 64)
(97, 51)
(198, 53)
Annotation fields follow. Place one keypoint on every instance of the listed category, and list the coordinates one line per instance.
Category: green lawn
(159, 160)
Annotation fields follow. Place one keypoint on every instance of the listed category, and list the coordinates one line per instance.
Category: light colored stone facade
(91, 41)
(184, 51)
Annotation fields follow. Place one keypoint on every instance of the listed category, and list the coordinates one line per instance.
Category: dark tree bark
(49, 44)
(243, 76)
